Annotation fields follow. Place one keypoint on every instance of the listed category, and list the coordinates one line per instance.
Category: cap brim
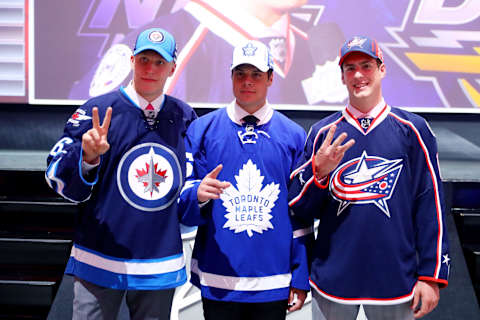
(356, 50)
(160, 51)
(261, 68)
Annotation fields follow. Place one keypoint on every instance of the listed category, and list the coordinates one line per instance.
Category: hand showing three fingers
(94, 141)
(330, 154)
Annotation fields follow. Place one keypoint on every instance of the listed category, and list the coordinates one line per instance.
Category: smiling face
(363, 77)
(150, 72)
(250, 87)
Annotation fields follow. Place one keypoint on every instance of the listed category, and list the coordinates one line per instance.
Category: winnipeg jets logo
(156, 36)
(78, 116)
(366, 179)
(249, 205)
(149, 177)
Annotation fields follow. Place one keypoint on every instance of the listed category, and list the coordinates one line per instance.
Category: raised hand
(330, 154)
(94, 141)
(210, 187)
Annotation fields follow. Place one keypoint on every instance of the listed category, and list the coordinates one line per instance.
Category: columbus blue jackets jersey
(127, 233)
(378, 209)
(246, 249)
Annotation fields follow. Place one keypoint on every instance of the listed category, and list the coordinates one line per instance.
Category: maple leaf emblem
(248, 206)
(151, 179)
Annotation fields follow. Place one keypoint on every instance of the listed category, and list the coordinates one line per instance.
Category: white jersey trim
(278, 281)
(302, 232)
(130, 267)
(355, 301)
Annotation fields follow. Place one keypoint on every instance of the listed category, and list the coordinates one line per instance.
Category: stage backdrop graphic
(431, 48)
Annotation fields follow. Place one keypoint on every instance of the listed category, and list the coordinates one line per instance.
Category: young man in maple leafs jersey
(248, 260)
(126, 172)
(382, 239)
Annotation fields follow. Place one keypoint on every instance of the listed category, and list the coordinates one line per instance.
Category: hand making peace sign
(94, 141)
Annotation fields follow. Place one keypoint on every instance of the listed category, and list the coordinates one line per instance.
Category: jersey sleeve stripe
(436, 191)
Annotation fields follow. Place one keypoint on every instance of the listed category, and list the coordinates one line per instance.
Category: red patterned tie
(150, 114)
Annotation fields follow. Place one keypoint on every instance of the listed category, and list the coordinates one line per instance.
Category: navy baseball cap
(361, 44)
(158, 40)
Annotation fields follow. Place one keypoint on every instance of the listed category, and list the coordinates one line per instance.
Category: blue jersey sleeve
(429, 207)
(64, 163)
(306, 193)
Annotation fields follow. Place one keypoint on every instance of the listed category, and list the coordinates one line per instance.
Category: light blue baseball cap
(158, 40)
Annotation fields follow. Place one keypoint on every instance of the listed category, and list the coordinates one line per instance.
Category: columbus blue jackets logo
(364, 180)
(149, 177)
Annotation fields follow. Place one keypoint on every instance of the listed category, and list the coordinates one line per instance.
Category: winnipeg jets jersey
(127, 234)
(378, 209)
(246, 249)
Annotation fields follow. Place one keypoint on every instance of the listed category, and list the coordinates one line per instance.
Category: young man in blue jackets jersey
(249, 261)
(382, 239)
(126, 172)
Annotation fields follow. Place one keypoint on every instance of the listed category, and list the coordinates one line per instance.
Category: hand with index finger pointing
(94, 141)
(210, 187)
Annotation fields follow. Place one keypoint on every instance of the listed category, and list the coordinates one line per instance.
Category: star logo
(446, 259)
(249, 50)
(364, 180)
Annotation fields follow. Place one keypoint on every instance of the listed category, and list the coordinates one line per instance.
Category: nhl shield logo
(149, 177)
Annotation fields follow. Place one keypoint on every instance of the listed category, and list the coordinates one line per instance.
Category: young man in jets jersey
(248, 260)
(382, 238)
(126, 172)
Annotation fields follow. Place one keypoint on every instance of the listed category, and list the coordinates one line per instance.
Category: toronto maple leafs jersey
(127, 233)
(246, 249)
(378, 209)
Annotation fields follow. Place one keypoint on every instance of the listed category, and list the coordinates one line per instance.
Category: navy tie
(250, 119)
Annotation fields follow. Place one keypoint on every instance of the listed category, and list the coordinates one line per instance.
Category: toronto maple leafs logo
(249, 49)
(364, 180)
(78, 116)
(248, 206)
(149, 177)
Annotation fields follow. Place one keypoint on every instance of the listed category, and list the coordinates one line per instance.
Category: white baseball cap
(252, 52)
